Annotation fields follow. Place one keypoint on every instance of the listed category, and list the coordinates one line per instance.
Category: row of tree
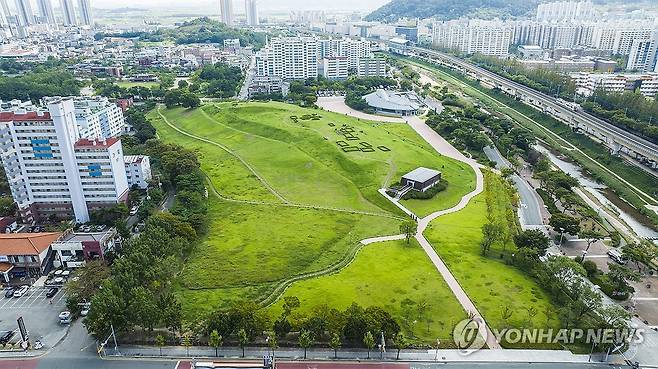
(39, 82)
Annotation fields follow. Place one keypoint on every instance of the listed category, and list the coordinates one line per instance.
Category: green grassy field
(489, 282)
(372, 279)
(315, 204)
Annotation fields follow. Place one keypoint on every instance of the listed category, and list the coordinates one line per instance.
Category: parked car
(52, 292)
(85, 309)
(4, 339)
(65, 317)
(21, 291)
(9, 292)
(134, 210)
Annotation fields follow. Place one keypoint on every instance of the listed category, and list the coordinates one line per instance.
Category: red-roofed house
(25, 254)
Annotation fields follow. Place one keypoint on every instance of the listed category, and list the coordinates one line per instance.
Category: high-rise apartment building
(561, 11)
(68, 13)
(352, 49)
(98, 117)
(226, 8)
(251, 9)
(51, 169)
(643, 55)
(372, 66)
(4, 14)
(46, 11)
(25, 14)
(335, 67)
(469, 37)
(86, 15)
(289, 58)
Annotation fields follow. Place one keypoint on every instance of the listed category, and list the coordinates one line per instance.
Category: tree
(182, 84)
(187, 342)
(564, 224)
(401, 342)
(369, 341)
(643, 252)
(190, 100)
(409, 228)
(160, 341)
(215, 340)
(172, 98)
(534, 240)
(290, 303)
(491, 232)
(590, 237)
(243, 339)
(305, 340)
(620, 275)
(335, 344)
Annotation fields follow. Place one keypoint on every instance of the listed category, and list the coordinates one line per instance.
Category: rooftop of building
(96, 143)
(133, 159)
(87, 236)
(24, 115)
(392, 100)
(26, 243)
(421, 174)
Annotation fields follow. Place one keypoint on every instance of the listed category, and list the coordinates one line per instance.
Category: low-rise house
(25, 254)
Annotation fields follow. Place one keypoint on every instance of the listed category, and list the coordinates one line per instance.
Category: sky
(237, 4)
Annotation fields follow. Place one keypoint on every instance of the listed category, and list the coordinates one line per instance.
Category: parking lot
(39, 314)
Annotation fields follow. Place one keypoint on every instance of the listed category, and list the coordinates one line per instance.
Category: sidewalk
(519, 356)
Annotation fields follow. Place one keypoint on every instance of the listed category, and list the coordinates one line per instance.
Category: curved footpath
(443, 147)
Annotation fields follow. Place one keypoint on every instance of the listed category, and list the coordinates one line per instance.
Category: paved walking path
(445, 148)
(442, 147)
(337, 104)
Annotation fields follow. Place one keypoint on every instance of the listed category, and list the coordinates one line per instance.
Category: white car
(65, 317)
(134, 210)
(21, 291)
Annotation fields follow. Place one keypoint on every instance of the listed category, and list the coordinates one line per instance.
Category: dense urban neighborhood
(393, 185)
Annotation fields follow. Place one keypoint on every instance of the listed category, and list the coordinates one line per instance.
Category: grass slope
(489, 282)
(252, 248)
(385, 274)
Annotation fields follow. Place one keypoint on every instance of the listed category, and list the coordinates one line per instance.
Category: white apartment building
(289, 58)
(68, 12)
(232, 43)
(138, 170)
(619, 38)
(587, 83)
(226, 8)
(98, 117)
(372, 67)
(550, 35)
(643, 55)
(51, 170)
(559, 11)
(46, 11)
(472, 36)
(251, 10)
(352, 49)
(335, 67)
(86, 16)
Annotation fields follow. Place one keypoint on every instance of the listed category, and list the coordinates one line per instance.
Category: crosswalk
(35, 297)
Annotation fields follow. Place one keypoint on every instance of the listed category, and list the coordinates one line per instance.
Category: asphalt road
(530, 206)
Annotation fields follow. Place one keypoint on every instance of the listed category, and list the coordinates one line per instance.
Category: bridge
(616, 139)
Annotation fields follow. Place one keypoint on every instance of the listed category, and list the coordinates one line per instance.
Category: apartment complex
(289, 58)
(643, 56)
(68, 12)
(560, 11)
(52, 170)
(473, 36)
(86, 16)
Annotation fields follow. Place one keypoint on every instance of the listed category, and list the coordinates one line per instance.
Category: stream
(598, 190)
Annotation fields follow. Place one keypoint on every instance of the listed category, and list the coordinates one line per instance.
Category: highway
(613, 136)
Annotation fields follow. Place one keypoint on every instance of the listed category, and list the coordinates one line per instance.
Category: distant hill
(452, 9)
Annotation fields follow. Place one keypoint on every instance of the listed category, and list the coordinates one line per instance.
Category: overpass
(616, 139)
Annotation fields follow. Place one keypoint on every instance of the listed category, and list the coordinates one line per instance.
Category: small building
(25, 254)
(138, 170)
(8, 224)
(395, 103)
(421, 179)
(73, 249)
